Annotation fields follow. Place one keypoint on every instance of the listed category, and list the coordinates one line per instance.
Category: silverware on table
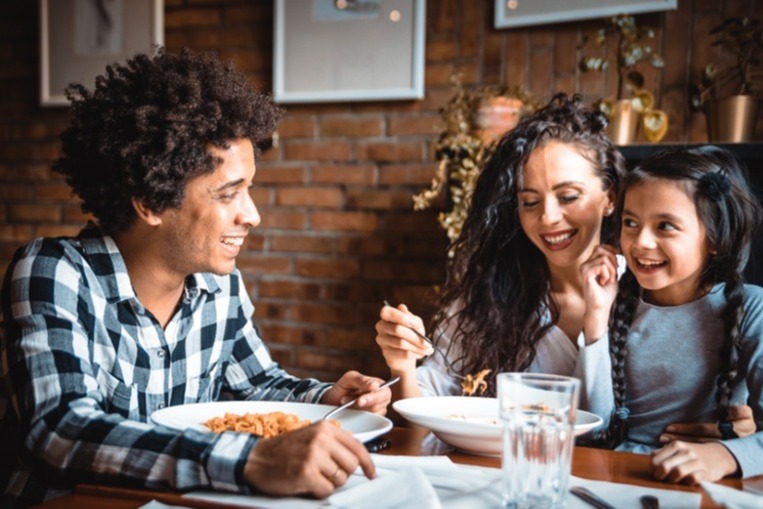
(590, 497)
(650, 502)
(445, 359)
(338, 409)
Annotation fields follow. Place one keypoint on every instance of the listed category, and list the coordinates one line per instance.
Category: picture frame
(370, 50)
(518, 13)
(79, 38)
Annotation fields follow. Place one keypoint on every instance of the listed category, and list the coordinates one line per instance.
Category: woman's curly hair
(495, 296)
(145, 130)
(730, 212)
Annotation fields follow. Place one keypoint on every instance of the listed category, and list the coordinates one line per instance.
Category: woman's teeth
(557, 239)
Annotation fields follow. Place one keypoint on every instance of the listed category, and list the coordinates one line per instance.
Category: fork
(445, 359)
(338, 409)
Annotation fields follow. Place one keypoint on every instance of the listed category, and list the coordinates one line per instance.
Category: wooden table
(588, 463)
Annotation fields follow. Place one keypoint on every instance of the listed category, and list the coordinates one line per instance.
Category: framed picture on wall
(79, 38)
(517, 13)
(348, 50)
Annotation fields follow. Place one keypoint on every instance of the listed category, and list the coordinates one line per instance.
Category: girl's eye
(629, 223)
(569, 198)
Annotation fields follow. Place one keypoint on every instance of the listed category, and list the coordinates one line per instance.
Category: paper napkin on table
(732, 498)
(406, 488)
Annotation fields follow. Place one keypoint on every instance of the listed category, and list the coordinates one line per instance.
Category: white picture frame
(324, 54)
(518, 13)
(79, 38)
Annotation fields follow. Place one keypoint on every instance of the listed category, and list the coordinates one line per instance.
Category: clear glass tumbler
(538, 416)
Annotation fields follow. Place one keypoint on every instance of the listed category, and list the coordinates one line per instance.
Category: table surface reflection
(588, 463)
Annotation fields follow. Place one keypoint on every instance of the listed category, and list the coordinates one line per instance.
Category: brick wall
(338, 234)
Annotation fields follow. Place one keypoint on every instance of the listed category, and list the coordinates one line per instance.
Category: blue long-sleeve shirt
(84, 365)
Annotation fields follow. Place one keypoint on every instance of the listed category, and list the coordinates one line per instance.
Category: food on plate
(475, 383)
(264, 425)
(474, 419)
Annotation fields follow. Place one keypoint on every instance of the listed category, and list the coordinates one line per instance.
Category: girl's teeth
(649, 263)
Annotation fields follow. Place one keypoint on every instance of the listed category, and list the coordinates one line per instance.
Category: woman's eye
(569, 198)
(528, 204)
(668, 227)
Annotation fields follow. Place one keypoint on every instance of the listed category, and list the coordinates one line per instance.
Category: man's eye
(228, 197)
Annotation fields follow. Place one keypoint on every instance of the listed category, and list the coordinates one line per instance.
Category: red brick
(317, 151)
(289, 289)
(323, 313)
(403, 126)
(382, 199)
(310, 196)
(11, 192)
(408, 174)
(261, 196)
(268, 310)
(74, 214)
(391, 151)
(306, 336)
(58, 230)
(293, 126)
(263, 264)
(279, 175)
(301, 243)
(323, 360)
(15, 232)
(333, 268)
(351, 126)
(344, 174)
(402, 271)
(282, 218)
(344, 221)
(34, 213)
(57, 191)
(255, 241)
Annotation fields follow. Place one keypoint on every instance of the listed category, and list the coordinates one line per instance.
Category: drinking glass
(538, 416)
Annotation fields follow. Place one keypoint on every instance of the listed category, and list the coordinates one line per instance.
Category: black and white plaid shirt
(84, 365)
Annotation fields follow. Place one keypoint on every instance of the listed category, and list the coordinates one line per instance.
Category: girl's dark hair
(145, 129)
(496, 291)
(730, 212)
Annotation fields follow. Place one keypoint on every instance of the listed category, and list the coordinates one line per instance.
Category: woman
(513, 298)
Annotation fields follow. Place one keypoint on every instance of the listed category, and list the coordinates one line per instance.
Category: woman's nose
(551, 212)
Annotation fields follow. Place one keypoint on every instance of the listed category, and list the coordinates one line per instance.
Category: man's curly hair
(145, 130)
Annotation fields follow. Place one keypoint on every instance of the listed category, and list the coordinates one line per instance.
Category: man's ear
(145, 214)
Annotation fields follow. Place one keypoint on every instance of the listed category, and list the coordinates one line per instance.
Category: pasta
(473, 383)
(264, 425)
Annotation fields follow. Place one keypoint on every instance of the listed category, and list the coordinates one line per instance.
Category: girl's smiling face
(664, 241)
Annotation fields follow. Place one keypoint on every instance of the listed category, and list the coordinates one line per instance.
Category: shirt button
(161, 354)
(161, 405)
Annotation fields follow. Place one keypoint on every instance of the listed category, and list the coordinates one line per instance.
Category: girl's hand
(740, 416)
(599, 290)
(400, 345)
(689, 463)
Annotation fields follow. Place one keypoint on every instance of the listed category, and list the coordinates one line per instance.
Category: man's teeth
(649, 263)
(232, 241)
(556, 239)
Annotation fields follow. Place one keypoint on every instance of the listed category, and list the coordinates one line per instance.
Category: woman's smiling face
(562, 203)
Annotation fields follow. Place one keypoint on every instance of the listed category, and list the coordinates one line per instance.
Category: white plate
(469, 424)
(363, 425)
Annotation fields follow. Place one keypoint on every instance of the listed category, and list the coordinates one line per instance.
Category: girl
(685, 334)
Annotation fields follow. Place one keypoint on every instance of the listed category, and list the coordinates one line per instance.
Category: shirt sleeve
(67, 430)
(594, 369)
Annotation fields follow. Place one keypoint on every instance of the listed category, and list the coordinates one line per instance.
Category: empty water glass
(538, 416)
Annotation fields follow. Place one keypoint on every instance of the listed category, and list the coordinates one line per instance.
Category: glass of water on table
(537, 413)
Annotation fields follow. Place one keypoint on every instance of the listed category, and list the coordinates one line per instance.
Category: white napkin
(622, 496)
(732, 498)
(404, 489)
(155, 504)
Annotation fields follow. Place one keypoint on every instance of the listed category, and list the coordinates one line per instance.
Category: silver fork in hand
(445, 359)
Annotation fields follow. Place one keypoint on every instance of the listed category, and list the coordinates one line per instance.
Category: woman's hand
(740, 416)
(400, 345)
(599, 274)
(691, 463)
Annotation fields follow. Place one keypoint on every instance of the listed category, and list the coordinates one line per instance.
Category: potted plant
(730, 94)
(630, 45)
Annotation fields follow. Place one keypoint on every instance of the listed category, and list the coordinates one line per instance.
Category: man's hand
(313, 460)
(690, 463)
(353, 384)
(740, 416)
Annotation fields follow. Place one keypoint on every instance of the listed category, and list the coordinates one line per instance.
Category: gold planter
(623, 122)
(732, 119)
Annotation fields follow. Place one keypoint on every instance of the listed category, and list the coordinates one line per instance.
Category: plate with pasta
(468, 423)
(266, 418)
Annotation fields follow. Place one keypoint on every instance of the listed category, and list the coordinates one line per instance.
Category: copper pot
(732, 119)
(623, 122)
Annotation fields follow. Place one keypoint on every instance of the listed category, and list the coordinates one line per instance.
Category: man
(146, 309)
